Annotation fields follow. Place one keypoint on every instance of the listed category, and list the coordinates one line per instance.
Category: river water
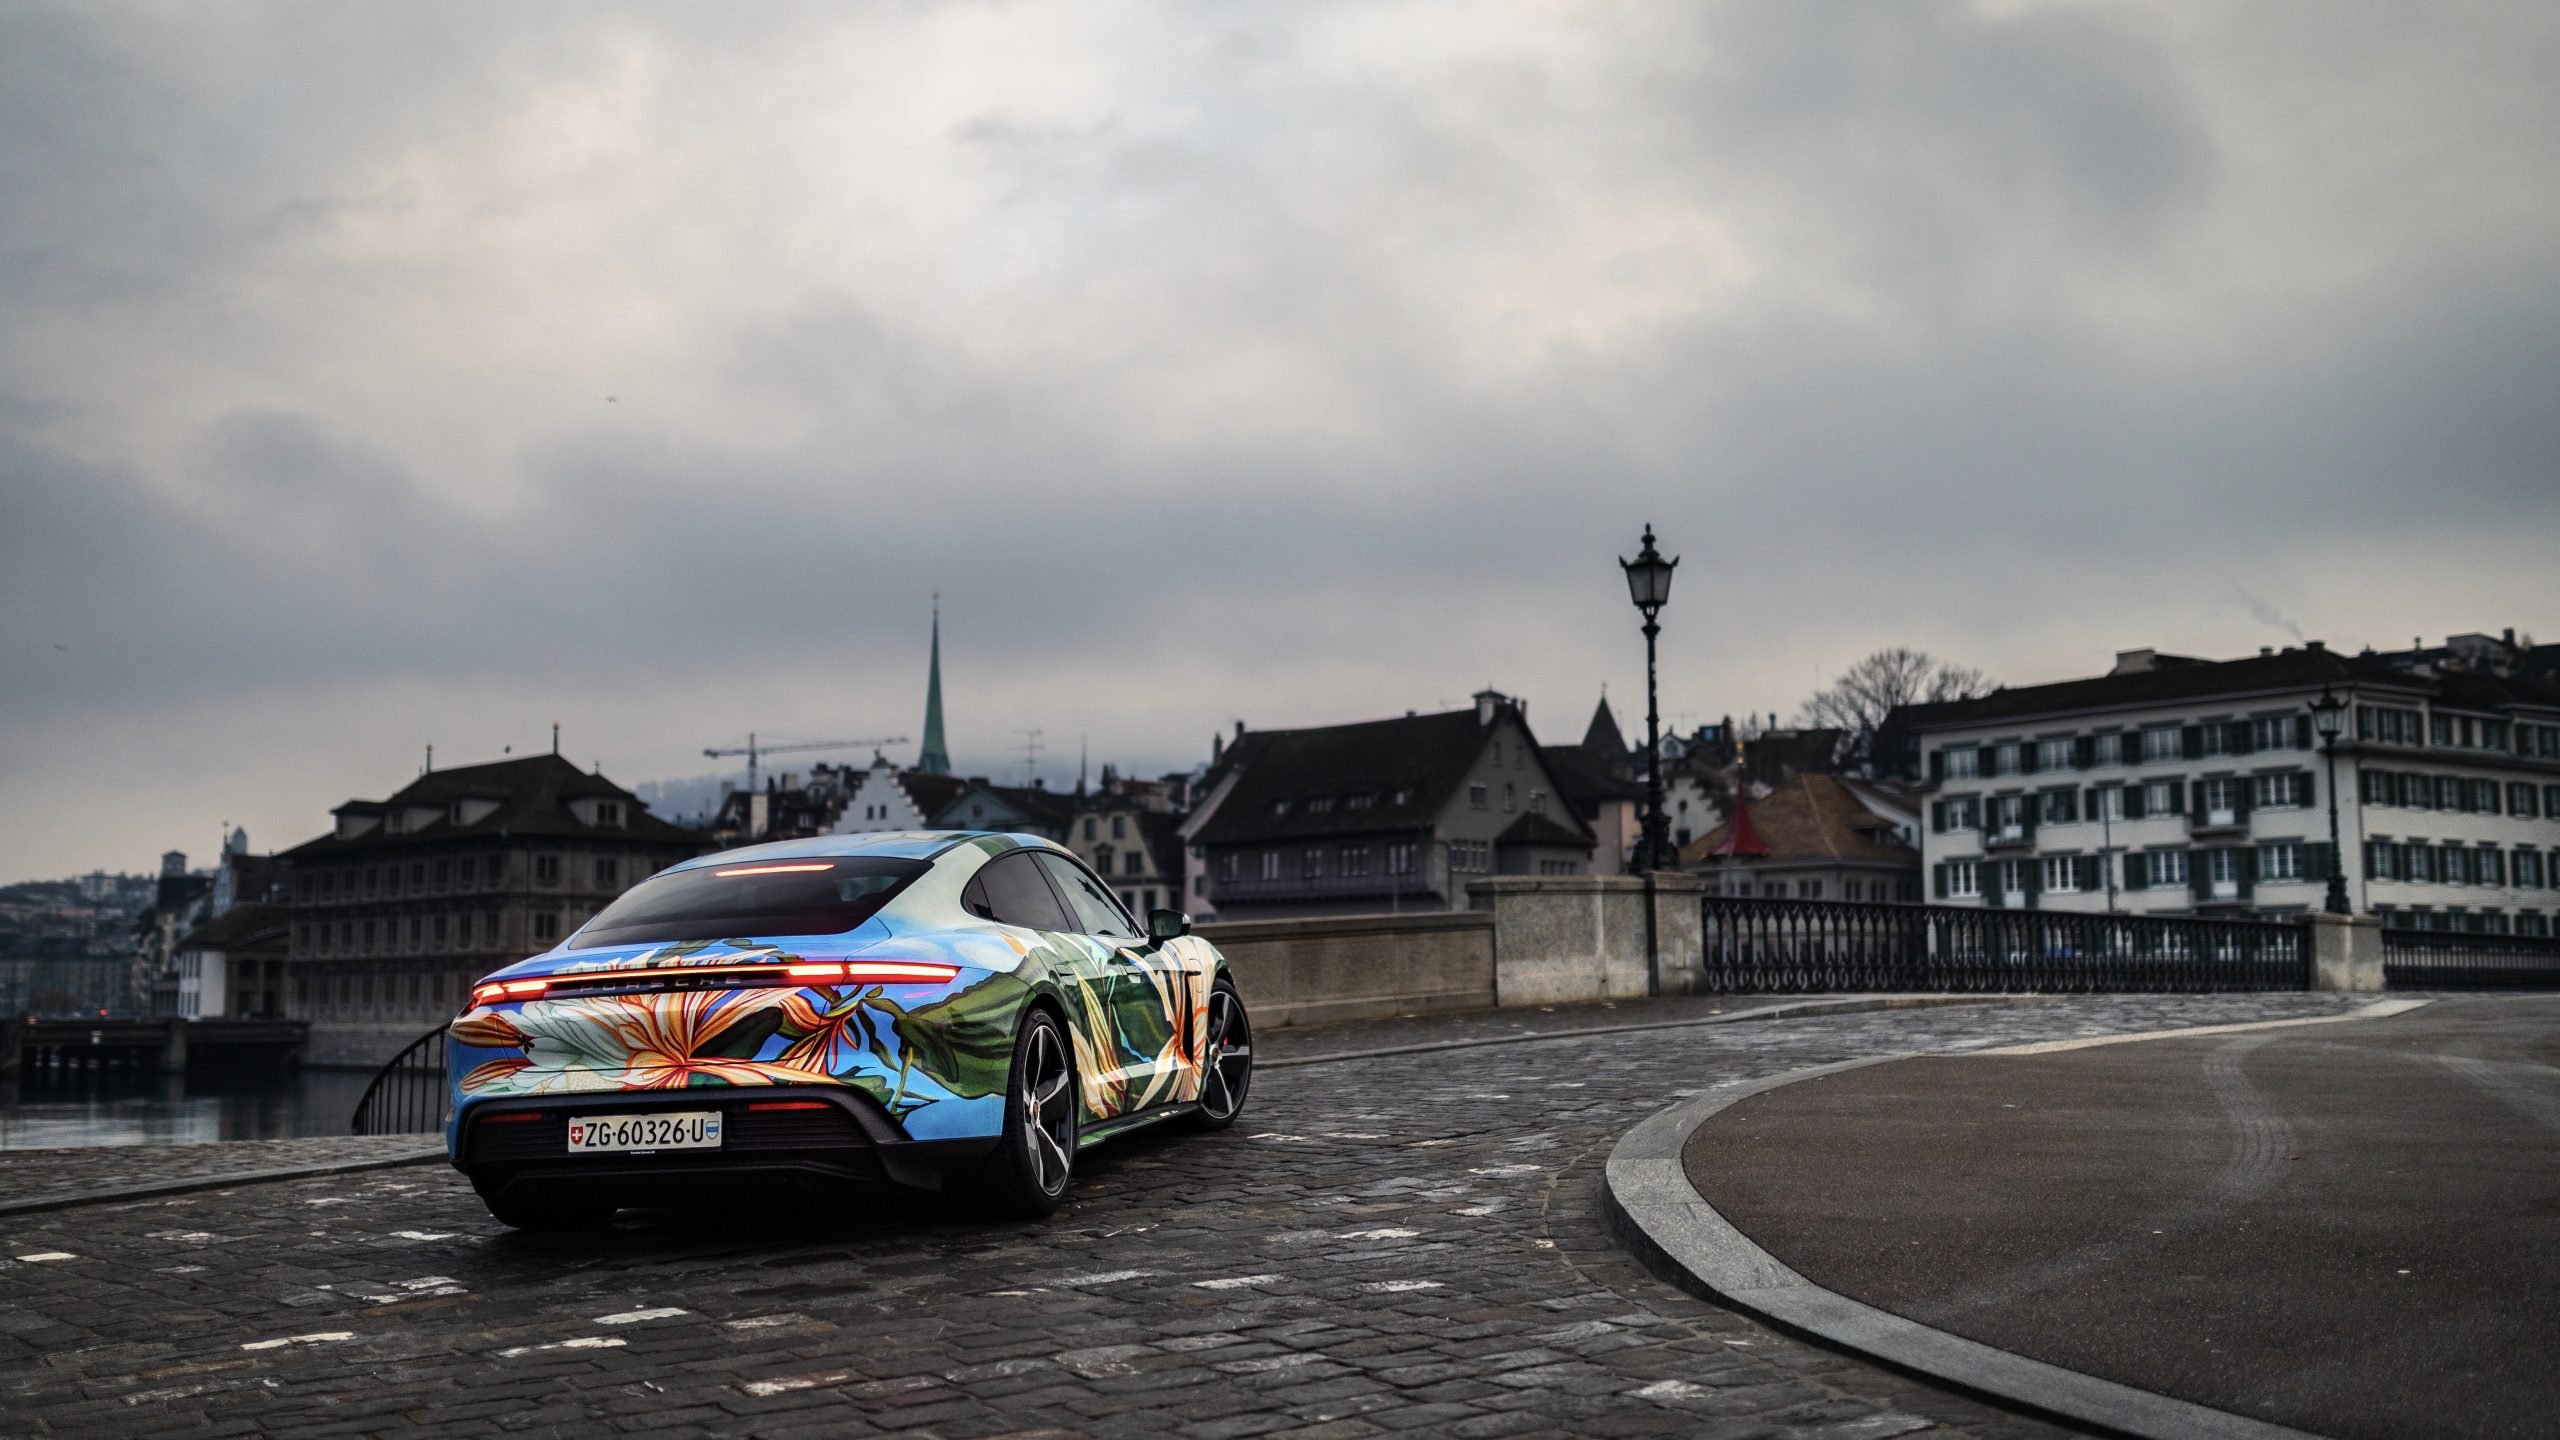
(52, 1108)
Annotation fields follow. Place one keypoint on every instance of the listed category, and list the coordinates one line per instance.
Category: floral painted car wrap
(920, 1009)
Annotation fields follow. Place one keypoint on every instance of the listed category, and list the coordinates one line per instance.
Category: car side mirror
(1164, 925)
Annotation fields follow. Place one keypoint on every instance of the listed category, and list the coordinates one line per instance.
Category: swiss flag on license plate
(577, 1134)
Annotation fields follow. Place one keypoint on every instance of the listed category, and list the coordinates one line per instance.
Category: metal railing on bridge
(1764, 946)
(2460, 960)
(409, 1095)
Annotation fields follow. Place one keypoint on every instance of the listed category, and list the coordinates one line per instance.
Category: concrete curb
(1781, 1011)
(41, 1203)
(1655, 1212)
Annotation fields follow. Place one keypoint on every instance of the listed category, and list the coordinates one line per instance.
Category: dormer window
(1320, 805)
(1279, 807)
(609, 813)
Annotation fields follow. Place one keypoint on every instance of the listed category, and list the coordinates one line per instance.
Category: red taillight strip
(791, 1105)
(839, 972)
(776, 869)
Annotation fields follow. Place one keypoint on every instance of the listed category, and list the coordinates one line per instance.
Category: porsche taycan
(956, 1012)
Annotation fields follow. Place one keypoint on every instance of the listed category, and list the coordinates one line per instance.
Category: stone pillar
(2346, 953)
(1680, 931)
(1567, 939)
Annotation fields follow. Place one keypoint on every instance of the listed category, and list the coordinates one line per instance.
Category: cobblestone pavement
(28, 1174)
(1406, 1244)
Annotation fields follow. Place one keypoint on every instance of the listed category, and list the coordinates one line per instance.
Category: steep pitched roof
(1355, 774)
(1602, 737)
(239, 928)
(1581, 781)
(532, 796)
(1809, 818)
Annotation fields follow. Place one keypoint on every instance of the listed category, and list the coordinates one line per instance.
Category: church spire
(935, 760)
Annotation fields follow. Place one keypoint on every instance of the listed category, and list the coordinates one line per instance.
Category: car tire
(550, 1214)
(1226, 1069)
(1028, 1173)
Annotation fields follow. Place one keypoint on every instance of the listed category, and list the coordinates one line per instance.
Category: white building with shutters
(2178, 786)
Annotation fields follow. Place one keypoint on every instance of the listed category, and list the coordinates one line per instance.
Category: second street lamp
(2329, 717)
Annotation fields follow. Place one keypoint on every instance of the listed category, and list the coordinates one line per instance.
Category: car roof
(896, 844)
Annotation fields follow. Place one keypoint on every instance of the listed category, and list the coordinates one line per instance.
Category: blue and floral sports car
(938, 1010)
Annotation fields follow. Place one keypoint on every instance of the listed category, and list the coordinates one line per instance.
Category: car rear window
(814, 896)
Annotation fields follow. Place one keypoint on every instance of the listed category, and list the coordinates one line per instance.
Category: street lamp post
(1649, 586)
(2329, 717)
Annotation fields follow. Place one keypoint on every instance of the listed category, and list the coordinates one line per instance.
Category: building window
(1120, 824)
(1089, 827)
(2528, 869)
(2053, 754)
(1102, 858)
(1310, 863)
(2004, 759)
(2273, 732)
(463, 869)
(1400, 859)
(2058, 807)
(608, 873)
(2168, 868)
(2289, 790)
(1134, 863)
(2521, 801)
(1474, 857)
(1964, 880)
(2161, 742)
(1963, 812)
(1270, 864)
(2533, 922)
(2160, 797)
(1808, 889)
(2489, 865)
(1963, 762)
(1476, 796)
(2222, 872)
(546, 926)
(1510, 798)
(2062, 874)
(2281, 861)
(2389, 725)
(2107, 803)
(1355, 860)
(1226, 867)
(609, 812)
(546, 869)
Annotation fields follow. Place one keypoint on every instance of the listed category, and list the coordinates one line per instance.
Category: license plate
(658, 1130)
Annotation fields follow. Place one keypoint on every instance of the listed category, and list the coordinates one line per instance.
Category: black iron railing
(1755, 946)
(408, 1095)
(2454, 960)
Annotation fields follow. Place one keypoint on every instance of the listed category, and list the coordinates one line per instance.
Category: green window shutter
(2194, 798)
(2137, 870)
(2199, 873)
(2088, 866)
(2191, 742)
(2030, 880)
(2133, 802)
(2235, 738)
(1938, 879)
(1938, 817)
(2084, 752)
(2243, 791)
(1937, 767)
(2301, 732)
(2026, 757)
(2316, 860)
(2027, 818)
(2246, 868)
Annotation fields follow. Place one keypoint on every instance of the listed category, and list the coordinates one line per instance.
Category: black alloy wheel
(1226, 1065)
(1027, 1175)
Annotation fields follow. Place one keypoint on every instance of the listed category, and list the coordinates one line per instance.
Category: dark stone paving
(1406, 1244)
(29, 1174)
(2349, 1229)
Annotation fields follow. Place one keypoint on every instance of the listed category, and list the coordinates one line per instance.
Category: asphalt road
(2353, 1229)
(1402, 1244)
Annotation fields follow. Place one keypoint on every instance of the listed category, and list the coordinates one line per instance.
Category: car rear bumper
(809, 1138)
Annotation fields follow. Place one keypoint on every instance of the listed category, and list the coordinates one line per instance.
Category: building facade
(2178, 786)
(409, 900)
(1136, 847)
(1814, 837)
(1383, 816)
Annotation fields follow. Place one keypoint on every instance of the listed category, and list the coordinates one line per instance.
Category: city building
(1814, 837)
(884, 797)
(1034, 809)
(1134, 845)
(2173, 785)
(1383, 815)
(407, 901)
(1598, 780)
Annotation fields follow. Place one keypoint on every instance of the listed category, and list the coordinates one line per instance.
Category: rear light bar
(833, 972)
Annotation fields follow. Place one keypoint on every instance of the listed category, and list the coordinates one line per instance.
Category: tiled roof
(1809, 818)
(1346, 779)
(2174, 678)
(532, 795)
(238, 928)
(1537, 829)
(1582, 781)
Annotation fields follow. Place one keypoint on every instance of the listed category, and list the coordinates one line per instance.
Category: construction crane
(752, 750)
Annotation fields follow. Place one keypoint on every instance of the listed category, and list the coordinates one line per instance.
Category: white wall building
(2175, 786)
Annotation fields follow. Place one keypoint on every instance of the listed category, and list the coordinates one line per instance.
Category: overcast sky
(377, 376)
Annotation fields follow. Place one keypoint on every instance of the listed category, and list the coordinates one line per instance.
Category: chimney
(2135, 662)
(2315, 645)
(2265, 651)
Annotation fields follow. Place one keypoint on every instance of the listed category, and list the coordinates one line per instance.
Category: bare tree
(1859, 700)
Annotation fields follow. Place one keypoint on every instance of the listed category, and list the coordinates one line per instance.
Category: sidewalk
(2352, 1229)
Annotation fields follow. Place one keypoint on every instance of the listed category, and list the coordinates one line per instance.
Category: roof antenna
(431, 758)
(555, 737)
